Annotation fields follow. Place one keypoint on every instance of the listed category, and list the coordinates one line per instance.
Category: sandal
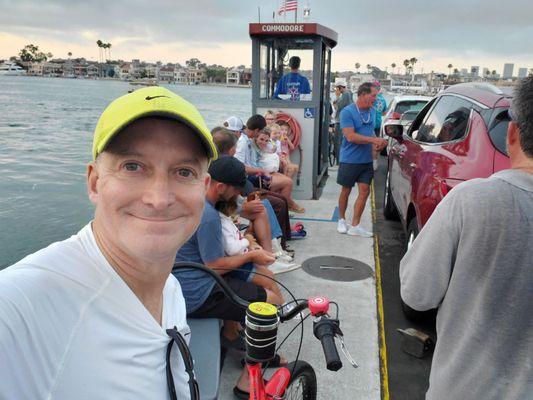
(297, 209)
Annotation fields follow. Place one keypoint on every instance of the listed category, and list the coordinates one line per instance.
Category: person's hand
(380, 143)
(250, 208)
(262, 257)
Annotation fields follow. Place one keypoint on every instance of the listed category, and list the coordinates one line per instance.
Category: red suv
(459, 135)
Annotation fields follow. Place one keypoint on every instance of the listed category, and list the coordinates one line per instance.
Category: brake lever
(340, 335)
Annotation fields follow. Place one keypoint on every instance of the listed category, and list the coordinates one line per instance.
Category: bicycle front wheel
(302, 385)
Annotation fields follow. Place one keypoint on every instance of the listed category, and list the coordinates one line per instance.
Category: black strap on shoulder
(188, 362)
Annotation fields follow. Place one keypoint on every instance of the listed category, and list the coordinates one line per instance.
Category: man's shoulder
(349, 109)
(210, 214)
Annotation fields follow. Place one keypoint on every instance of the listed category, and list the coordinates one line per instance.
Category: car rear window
(498, 131)
(408, 105)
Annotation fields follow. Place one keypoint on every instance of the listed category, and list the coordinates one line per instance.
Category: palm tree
(450, 66)
(369, 68)
(109, 50)
(455, 71)
(393, 65)
(100, 45)
(413, 61)
(357, 66)
(406, 63)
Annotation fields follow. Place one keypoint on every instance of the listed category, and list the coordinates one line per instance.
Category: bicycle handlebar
(325, 330)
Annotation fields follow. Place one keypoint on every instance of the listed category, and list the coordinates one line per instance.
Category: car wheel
(412, 232)
(389, 209)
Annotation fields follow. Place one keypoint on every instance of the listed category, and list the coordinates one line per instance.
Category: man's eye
(132, 167)
(185, 173)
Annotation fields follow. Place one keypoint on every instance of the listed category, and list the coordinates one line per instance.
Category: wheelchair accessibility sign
(309, 112)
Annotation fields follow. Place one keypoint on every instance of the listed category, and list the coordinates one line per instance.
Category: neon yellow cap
(150, 101)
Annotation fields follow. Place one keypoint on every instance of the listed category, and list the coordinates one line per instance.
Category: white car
(401, 104)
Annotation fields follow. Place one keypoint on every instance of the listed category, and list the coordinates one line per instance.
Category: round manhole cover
(335, 268)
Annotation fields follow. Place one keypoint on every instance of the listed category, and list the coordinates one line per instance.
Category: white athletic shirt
(70, 328)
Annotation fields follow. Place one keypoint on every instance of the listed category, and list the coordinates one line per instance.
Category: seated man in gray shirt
(473, 260)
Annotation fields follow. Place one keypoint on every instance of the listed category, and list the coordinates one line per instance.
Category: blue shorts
(244, 273)
(349, 174)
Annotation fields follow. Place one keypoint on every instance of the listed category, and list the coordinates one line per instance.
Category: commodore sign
(282, 28)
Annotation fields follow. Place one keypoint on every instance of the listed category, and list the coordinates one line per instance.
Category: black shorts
(218, 305)
(349, 174)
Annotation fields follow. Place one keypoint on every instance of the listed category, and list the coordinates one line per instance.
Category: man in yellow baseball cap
(88, 311)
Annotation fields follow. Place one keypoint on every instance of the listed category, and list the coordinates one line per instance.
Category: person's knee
(364, 190)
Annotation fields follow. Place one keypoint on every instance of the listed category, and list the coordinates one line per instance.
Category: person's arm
(240, 151)
(226, 264)
(254, 170)
(426, 268)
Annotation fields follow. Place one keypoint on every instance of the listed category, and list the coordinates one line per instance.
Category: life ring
(296, 131)
(295, 138)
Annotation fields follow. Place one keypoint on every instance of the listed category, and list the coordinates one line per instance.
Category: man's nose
(159, 193)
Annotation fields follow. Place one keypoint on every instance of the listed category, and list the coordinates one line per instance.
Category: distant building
(166, 74)
(233, 77)
(522, 73)
(464, 72)
(181, 75)
(474, 71)
(486, 72)
(508, 70)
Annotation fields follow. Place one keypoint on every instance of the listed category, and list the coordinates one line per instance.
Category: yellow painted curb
(381, 315)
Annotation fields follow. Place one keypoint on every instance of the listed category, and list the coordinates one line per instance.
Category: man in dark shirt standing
(293, 83)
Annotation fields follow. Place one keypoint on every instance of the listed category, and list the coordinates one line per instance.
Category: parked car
(402, 104)
(459, 135)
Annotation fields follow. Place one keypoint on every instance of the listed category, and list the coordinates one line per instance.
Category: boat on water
(11, 69)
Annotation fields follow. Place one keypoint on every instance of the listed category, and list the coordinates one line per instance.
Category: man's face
(227, 192)
(149, 188)
(368, 99)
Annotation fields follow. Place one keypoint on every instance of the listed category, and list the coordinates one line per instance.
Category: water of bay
(46, 127)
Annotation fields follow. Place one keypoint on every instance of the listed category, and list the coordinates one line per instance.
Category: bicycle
(296, 380)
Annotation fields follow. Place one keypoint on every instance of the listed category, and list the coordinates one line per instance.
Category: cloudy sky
(379, 32)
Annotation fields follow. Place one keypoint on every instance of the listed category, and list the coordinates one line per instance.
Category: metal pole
(259, 13)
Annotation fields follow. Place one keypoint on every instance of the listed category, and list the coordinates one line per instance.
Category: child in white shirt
(235, 243)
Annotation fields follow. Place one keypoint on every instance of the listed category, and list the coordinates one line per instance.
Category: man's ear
(92, 180)
(512, 133)
(207, 181)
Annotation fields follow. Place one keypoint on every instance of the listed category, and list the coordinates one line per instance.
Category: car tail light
(395, 115)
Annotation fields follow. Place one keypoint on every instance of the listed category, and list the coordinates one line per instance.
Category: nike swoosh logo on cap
(155, 97)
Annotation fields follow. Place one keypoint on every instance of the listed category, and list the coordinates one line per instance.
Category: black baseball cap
(230, 171)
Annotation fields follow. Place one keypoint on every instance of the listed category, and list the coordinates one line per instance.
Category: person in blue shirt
(357, 124)
(380, 105)
(293, 83)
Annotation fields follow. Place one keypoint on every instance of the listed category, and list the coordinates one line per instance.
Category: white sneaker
(341, 226)
(284, 258)
(278, 267)
(359, 231)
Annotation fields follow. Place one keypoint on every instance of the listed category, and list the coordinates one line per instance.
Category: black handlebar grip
(324, 330)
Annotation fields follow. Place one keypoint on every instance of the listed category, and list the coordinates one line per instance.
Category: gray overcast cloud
(489, 28)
